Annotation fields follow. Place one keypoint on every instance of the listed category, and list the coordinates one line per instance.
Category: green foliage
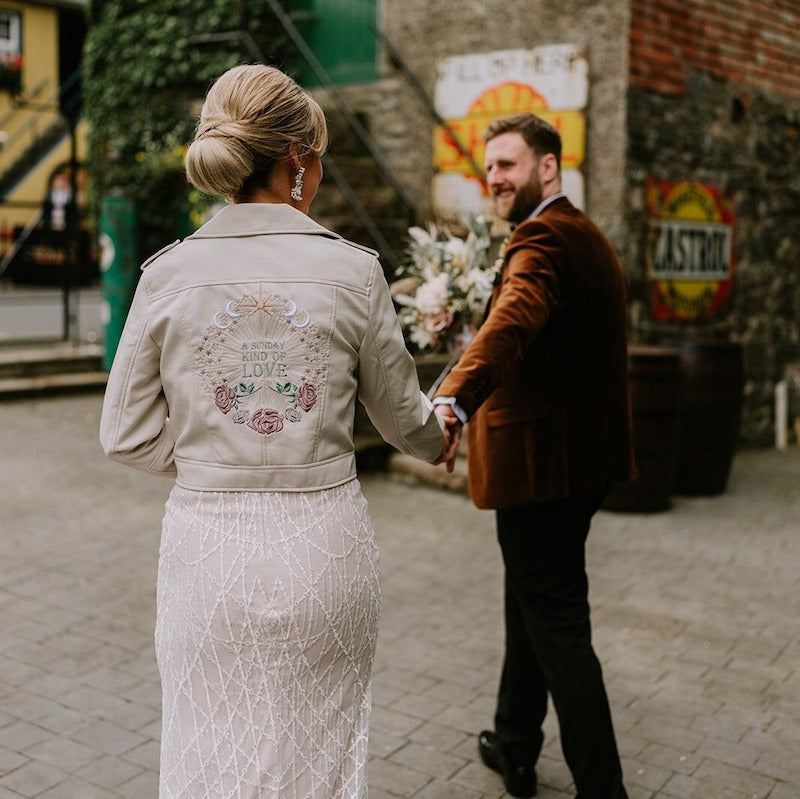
(144, 76)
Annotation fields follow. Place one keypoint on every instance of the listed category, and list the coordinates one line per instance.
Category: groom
(544, 387)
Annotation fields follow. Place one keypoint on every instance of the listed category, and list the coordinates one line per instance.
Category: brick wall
(748, 42)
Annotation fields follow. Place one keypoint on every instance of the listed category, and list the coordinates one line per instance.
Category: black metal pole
(70, 311)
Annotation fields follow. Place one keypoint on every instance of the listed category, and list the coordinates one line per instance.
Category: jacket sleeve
(528, 295)
(134, 426)
(388, 382)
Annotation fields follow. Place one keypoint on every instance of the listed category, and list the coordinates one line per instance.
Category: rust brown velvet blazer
(544, 383)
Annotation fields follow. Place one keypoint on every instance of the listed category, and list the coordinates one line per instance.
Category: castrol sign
(689, 250)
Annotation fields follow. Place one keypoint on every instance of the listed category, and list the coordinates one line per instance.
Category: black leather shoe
(520, 780)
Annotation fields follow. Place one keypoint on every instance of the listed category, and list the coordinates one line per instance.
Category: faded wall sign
(471, 90)
(689, 251)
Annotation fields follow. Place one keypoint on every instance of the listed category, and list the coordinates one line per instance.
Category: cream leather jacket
(244, 350)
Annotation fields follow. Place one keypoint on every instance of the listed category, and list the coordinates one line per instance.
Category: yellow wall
(40, 85)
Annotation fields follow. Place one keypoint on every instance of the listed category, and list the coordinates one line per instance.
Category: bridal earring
(297, 191)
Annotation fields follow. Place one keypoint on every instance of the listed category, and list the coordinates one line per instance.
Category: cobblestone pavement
(695, 614)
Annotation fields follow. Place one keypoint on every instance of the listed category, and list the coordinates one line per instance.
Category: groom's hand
(453, 427)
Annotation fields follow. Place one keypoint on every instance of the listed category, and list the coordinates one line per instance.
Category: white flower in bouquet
(444, 285)
(433, 296)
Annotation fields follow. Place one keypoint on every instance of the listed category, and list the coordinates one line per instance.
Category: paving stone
(108, 738)
(33, 778)
(143, 785)
(20, 735)
(395, 778)
(427, 760)
(108, 772)
(10, 760)
(670, 758)
(73, 788)
(62, 752)
(440, 737)
(644, 776)
(694, 614)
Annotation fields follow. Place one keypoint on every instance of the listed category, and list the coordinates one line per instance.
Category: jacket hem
(198, 476)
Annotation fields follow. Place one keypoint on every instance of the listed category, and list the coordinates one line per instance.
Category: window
(9, 34)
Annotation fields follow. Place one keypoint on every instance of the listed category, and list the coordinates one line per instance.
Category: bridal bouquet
(444, 285)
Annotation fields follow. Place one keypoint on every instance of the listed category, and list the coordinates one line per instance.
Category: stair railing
(24, 103)
(21, 240)
(49, 105)
(387, 254)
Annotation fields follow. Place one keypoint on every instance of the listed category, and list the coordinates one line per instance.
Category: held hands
(452, 436)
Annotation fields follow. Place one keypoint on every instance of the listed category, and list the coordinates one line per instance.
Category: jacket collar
(544, 203)
(259, 219)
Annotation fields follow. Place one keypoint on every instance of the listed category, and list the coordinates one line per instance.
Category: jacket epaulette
(160, 252)
(366, 249)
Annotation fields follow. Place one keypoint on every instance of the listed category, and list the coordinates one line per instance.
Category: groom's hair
(539, 135)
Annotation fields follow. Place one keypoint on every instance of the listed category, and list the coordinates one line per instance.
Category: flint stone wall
(747, 144)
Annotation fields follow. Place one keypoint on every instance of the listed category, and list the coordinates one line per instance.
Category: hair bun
(217, 162)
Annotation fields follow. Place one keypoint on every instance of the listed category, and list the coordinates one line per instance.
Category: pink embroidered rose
(292, 415)
(306, 396)
(266, 421)
(224, 397)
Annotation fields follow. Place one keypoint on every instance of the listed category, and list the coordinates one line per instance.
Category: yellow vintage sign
(550, 81)
(469, 131)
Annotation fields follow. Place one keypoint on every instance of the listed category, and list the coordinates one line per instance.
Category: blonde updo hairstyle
(251, 116)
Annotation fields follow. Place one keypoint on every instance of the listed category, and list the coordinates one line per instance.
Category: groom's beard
(526, 198)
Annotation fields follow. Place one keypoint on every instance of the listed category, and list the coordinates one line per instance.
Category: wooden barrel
(712, 389)
(655, 383)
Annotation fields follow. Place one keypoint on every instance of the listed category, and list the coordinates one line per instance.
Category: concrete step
(11, 387)
(43, 368)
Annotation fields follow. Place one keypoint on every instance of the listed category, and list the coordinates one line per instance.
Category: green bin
(119, 266)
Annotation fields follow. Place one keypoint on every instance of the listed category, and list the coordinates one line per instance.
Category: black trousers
(549, 645)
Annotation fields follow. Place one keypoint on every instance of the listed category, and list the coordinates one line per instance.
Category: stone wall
(748, 145)
(714, 98)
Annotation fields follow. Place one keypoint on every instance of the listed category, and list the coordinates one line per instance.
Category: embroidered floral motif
(306, 396)
(266, 421)
(264, 361)
(224, 397)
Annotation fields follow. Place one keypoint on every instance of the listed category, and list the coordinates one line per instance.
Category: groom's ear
(548, 168)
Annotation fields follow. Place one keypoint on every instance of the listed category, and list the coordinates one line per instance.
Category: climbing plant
(147, 65)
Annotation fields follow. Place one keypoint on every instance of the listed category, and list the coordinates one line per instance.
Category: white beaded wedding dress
(267, 619)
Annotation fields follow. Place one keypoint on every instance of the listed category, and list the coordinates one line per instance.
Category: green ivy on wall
(145, 73)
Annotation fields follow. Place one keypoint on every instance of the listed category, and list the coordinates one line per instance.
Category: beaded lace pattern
(266, 627)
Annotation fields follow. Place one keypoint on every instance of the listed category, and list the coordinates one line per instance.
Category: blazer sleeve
(134, 426)
(388, 385)
(520, 307)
